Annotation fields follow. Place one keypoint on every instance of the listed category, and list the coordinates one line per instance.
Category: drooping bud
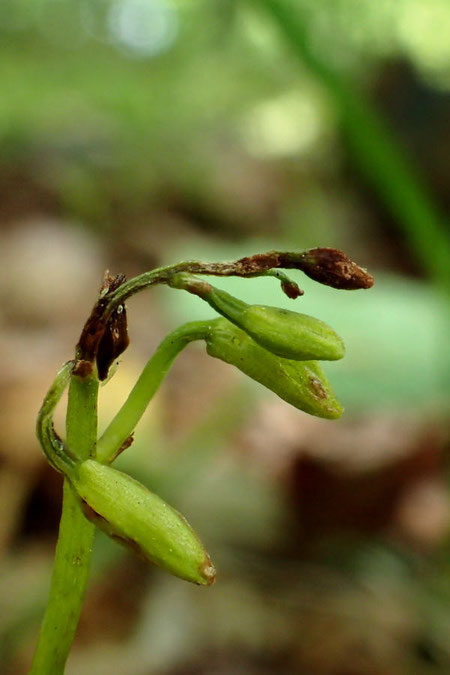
(288, 285)
(303, 384)
(331, 267)
(284, 333)
(127, 511)
(288, 334)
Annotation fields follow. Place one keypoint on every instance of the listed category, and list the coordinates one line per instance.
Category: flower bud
(124, 509)
(292, 335)
(280, 331)
(303, 384)
(333, 268)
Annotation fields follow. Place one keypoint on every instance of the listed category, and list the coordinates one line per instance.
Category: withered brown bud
(113, 342)
(291, 289)
(334, 268)
(104, 339)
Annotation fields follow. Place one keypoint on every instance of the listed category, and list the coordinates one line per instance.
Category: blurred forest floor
(134, 134)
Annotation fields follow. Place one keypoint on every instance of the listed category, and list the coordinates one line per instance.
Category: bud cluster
(276, 347)
(303, 384)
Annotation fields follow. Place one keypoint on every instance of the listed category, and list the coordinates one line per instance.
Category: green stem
(124, 423)
(49, 440)
(244, 267)
(74, 547)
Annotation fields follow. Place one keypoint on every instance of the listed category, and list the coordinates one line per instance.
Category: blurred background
(135, 133)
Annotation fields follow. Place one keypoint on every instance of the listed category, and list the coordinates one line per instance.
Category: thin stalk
(124, 423)
(247, 267)
(74, 547)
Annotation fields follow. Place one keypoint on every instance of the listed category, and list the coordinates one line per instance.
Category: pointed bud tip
(334, 412)
(208, 572)
(334, 268)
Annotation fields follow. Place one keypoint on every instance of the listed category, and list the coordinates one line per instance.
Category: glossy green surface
(127, 511)
(292, 335)
(284, 333)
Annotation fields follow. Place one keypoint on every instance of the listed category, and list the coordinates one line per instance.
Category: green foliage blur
(135, 133)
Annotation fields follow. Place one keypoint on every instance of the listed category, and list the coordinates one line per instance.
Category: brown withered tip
(126, 444)
(291, 289)
(207, 571)
(103, 337)
(334, 268)
(113, 342)
(82, 368)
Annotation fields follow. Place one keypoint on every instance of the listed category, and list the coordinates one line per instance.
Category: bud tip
(208, 571)
(334, 268)
(291, 289)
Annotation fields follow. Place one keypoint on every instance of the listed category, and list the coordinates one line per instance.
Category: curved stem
(124, 423)
(244, 267)
(257, 265)
(117, 292)
(74, 547)
(49, 440)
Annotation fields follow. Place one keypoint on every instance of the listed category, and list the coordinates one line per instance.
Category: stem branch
(124, 423)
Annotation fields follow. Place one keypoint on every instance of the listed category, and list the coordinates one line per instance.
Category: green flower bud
(303, 384)
(127, 511)
(292, 335)
(284, 333)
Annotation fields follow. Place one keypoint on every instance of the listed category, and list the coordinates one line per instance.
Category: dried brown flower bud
(291, 289)
(334, 268)
(113, 342)
(104, 338)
